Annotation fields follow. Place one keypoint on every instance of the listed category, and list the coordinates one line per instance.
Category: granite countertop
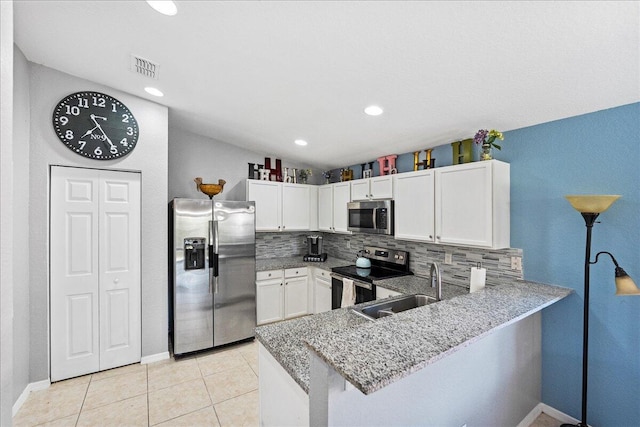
(374, 354)
(266, 264)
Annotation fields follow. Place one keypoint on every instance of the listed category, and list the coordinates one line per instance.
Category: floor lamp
(590, 206)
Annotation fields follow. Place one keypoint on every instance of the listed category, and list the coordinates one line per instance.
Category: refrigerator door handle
(213, 235)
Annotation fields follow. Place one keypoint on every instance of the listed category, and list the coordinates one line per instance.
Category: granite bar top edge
(325, 345)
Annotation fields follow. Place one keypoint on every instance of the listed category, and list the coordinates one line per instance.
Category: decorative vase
(485, 154)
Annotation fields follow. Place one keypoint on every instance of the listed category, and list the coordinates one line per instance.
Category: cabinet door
(464, 205)
(269, 301)
(414, 206)
(295, 207)
(360, 189)
(295, 297)
(325, 208)
(381, 187)
(341, 196)
(323, 294)
(268, 198)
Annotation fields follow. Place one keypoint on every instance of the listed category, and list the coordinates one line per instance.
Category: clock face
(95, 125)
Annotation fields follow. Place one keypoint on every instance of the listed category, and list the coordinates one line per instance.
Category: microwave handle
(375, 218)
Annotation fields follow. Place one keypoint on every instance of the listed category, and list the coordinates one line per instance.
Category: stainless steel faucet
(437, 283)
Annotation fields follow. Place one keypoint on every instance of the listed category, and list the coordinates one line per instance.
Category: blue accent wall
(597, 153)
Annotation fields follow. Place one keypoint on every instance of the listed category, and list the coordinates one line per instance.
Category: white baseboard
(553, 412)
(40, 385)
(154, 358)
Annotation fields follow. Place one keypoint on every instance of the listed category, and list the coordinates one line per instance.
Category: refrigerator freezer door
(235, 296)
(192, 301)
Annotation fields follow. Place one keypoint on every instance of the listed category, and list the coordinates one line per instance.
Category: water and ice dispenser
(194, 253)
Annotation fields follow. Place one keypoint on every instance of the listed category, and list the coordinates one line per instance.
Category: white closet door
(95, 270)
(74, 273)
(119, 264)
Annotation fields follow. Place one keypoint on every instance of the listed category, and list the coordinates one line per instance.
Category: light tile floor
(216, 388)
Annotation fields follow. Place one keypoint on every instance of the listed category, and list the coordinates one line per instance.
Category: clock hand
(89, 132)
(93, 117)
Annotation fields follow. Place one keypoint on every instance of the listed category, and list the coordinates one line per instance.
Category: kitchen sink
(389, 308)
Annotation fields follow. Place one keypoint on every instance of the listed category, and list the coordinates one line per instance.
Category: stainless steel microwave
(375, 217)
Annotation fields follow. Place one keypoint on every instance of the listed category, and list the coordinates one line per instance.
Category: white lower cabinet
(296, 292)
(322, 291)
(382, 293)
(281, 294)
(269, 296)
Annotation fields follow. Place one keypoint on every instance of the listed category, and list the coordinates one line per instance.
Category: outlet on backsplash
(516, 263)
(348, 244)
(447, 258)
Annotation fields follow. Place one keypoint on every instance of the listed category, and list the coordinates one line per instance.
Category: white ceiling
(261, 74)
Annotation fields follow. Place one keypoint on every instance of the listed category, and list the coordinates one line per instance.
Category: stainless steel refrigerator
(213, 291)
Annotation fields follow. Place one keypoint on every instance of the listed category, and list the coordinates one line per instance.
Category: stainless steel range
(385, 264)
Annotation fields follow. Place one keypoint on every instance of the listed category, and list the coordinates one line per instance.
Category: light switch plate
(447, 258)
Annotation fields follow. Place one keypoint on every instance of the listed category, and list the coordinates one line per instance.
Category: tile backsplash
(421, 255)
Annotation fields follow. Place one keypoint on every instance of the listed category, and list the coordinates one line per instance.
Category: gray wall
(47, 88)
(6, 212)
(192, 155)
(20, 223)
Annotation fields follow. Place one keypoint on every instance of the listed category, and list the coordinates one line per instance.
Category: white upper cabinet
(472, 204)
(465, 205)
(296, 207)
(379, 187)
(332, 207)
(283, 206)
(414, 205)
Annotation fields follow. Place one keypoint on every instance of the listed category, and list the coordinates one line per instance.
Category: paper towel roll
(478, 277)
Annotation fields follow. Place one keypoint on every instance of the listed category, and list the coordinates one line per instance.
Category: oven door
(364, 292)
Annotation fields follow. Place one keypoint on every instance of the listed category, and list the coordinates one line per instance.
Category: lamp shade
(625, 284)
(592, 203)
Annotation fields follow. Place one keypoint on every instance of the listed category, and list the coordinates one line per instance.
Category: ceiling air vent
(144, 67)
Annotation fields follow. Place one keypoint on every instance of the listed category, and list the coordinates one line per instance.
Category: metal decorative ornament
(95, 125)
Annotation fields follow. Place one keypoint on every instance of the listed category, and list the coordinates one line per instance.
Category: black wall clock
(95, 125)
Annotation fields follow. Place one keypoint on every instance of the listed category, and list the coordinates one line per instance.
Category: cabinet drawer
(324, 274)
(295, 272)
(267, 275)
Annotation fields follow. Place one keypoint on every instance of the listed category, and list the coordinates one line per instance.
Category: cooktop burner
(385, 264)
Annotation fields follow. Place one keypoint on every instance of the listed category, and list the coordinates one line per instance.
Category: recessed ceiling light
(301, 142)
(153, 91)
(373, 110)
(166, 7)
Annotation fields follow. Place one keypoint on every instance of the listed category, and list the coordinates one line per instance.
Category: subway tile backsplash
(421, 255)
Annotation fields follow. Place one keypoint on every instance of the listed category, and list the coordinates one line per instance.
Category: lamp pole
(589, 219)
